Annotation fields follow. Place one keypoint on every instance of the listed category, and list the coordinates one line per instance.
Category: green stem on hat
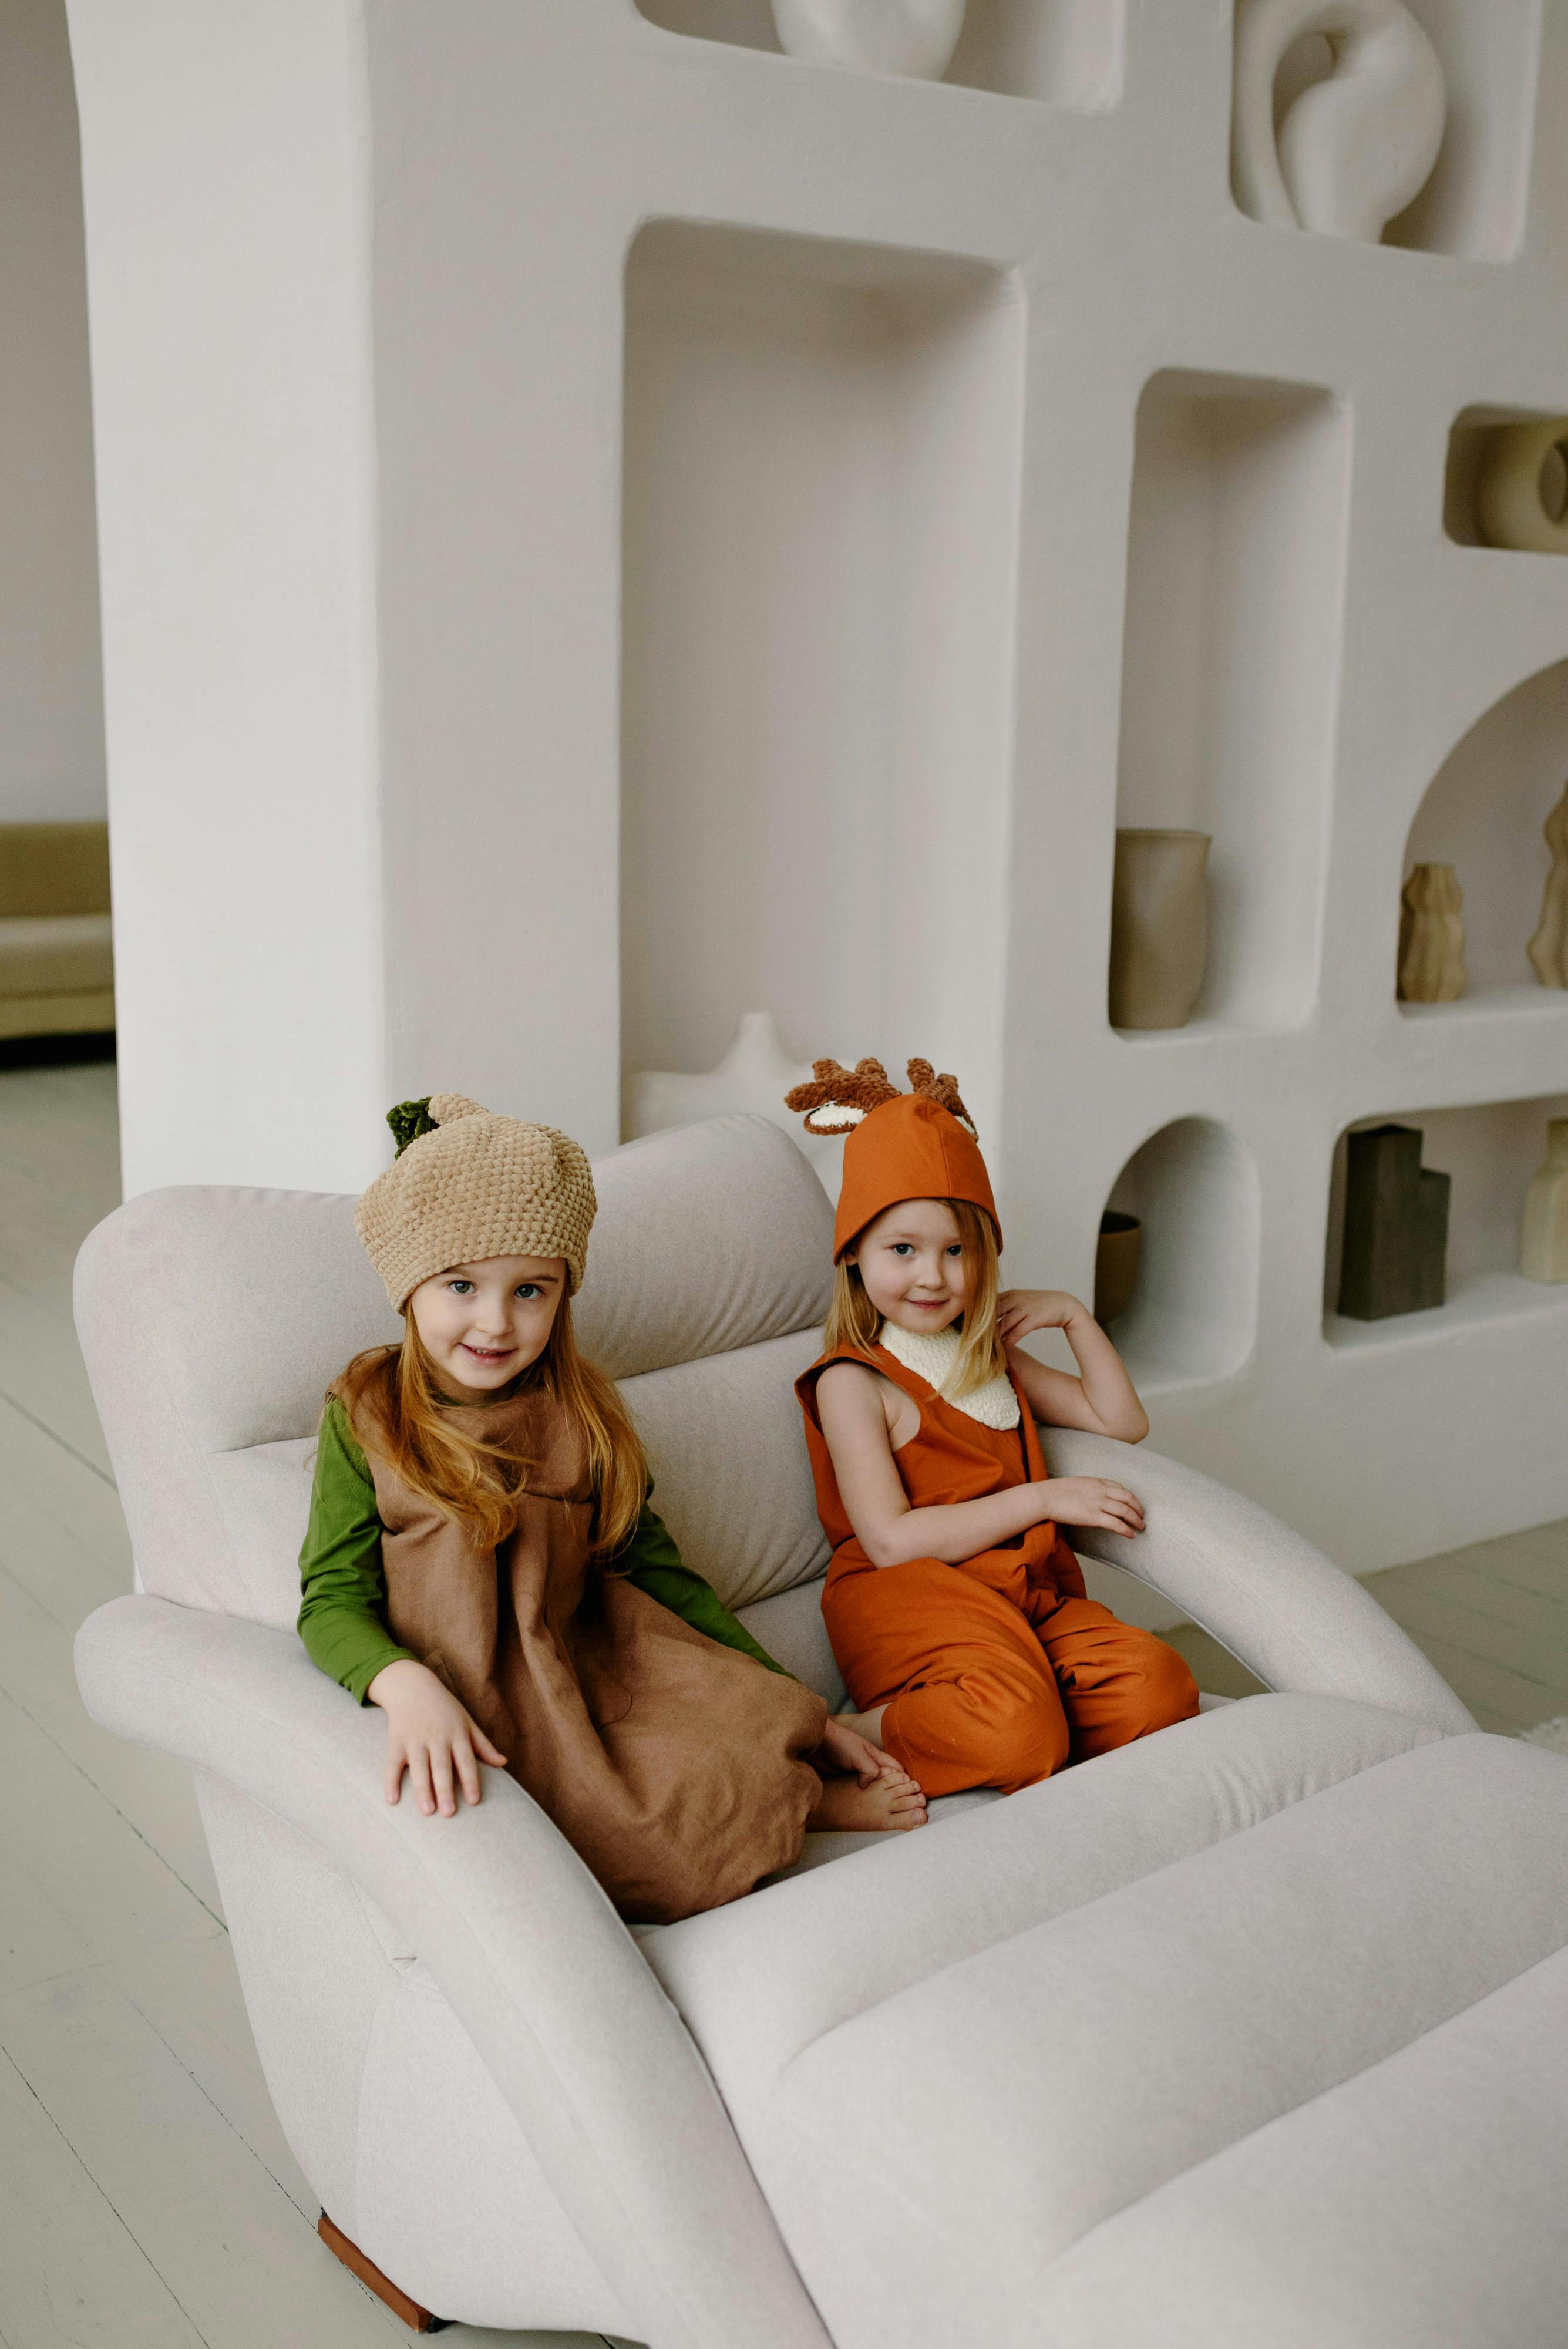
(408, 1120)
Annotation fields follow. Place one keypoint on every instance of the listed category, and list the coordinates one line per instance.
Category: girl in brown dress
(508, 1490)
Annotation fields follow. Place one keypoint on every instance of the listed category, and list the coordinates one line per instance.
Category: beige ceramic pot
(1116, 1259)
(1159, 927)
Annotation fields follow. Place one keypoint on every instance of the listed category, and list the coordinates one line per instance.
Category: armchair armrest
(1281, 1608)
(554, 1992)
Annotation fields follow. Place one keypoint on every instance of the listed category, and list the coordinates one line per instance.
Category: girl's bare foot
(887, 1803)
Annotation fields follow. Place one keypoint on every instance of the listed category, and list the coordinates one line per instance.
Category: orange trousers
(981, 1693)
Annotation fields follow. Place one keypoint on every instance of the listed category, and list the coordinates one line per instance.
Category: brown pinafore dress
(674, 1767)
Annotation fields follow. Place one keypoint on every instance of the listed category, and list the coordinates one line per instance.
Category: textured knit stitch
(478, 1185)
(931, 1357)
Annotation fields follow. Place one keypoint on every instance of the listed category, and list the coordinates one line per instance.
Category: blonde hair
(853, 1322)
(479, 1484)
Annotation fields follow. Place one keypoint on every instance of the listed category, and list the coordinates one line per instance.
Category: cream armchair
(1190, 2045)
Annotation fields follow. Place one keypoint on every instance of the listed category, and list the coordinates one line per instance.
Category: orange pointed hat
(916, 1145)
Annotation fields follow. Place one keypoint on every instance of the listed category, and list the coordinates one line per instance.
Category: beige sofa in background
(57, 964)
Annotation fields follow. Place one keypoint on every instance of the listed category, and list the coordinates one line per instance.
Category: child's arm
(855, 1428)
(343, 1589)
(341, 1622)
(652, 1561)
(1104, 1401)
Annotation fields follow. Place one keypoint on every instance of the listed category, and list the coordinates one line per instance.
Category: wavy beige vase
(1521, 486)
(1159, 927)
(1543, 1239)
(894, 36)
(1352, 150)
(1548, 949)
(1432, 937)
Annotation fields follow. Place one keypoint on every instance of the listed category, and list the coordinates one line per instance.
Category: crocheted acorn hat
(468, 1184)
(913, 1145)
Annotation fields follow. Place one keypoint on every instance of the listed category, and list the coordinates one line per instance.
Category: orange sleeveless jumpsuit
(996, 1672)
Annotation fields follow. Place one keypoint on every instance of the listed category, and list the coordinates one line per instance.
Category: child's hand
(1019, 1311)
(431, 1736)
(846, 1749)
(1091, 1501)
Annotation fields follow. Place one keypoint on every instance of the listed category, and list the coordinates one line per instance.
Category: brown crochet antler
(837, 1098)
(923, 1079)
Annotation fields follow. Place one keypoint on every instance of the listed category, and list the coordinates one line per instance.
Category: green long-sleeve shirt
(342, 1614)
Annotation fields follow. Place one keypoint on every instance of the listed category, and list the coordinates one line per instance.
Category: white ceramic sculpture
(1521, 486)
(1544, 1240)
(892, 37)
(1432, 937)
(1352, 151)
(755, 1074)
(1548, 948)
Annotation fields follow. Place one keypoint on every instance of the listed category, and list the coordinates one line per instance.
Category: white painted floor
(147, 2198)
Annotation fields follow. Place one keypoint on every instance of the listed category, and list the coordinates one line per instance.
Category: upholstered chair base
(418, 2319)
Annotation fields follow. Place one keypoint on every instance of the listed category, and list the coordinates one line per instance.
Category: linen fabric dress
(997, 1670)
(674, 1765)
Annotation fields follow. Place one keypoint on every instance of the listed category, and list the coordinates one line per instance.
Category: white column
(226, 195)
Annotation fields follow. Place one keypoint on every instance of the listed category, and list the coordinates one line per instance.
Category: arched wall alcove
(51, 690)
(1474, 203)
(1068, 52)
(1193, 1318)
(1482, 813)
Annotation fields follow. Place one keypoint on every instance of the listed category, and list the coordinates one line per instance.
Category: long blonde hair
(854, 1321)
(393, 1392)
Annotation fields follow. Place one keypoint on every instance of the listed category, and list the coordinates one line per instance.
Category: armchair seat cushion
(977, 2072)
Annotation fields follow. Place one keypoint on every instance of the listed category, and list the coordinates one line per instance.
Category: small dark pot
(1115, 1264)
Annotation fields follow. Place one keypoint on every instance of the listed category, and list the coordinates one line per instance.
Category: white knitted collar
(995, 1405)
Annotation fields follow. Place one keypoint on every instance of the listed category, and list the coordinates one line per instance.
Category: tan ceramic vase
(1432, 937)
(1159, 927)
(1117, 1256)
(1543, 1241)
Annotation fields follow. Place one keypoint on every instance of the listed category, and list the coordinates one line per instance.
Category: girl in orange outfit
(956, 1610)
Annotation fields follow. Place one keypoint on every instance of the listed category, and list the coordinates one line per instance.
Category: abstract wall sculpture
(1548, 948)
(1159, 927)
(1431, 936)
(755, 1074)
(1544, 1241)
(1396, 1226)
(1521, 486)
(894, 36)
(1352, 151)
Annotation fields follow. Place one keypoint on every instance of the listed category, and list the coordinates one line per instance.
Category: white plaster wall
(516, 150)
(227, 201)
(51, 695)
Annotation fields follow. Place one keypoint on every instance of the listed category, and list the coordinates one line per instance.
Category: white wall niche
(1066, 52)
(1482, 813)
(819, 568)
(1472, 430)
(1488, 1151)
(1231, 666)
(1474, 204)
(1193, 1318)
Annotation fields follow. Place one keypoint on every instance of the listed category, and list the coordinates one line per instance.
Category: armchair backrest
(212, 1320)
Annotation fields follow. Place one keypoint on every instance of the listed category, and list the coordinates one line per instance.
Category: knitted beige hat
(468, 1184)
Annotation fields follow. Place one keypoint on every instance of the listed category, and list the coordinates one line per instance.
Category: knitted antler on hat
(837, 1098)
(916, 1145)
